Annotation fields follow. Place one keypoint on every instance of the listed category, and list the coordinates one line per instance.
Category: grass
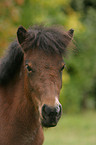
(73, 130)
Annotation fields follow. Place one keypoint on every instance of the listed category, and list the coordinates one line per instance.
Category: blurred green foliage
(77, 129)
(79, 80)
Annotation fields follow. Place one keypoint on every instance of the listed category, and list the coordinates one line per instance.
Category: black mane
(11, 63)
(52, 40)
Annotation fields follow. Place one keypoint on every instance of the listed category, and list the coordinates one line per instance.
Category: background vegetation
(79, 80)
(73, 130)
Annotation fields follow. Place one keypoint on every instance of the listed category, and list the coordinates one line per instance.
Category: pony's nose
(51, 111)
(51, 115)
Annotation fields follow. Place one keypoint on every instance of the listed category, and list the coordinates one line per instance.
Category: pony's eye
(29, 68)
(62, 67)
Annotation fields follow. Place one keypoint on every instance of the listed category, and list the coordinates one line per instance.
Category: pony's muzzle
(51, 115)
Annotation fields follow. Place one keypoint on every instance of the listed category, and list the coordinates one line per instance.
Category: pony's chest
(35, 137)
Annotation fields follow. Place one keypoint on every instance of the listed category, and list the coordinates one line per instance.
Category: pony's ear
(21, 34)
(71, 32)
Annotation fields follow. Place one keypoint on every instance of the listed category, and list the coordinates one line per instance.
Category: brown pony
(30, 83)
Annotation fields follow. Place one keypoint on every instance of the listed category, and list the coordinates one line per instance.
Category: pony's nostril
(58, 109)
(51, 111)
(46, 110)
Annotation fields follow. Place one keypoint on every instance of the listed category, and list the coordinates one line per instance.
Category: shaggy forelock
(50, 39)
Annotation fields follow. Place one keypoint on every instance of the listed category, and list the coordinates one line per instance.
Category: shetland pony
(30, 83)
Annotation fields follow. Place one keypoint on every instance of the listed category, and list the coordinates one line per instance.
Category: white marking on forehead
(56, 101)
